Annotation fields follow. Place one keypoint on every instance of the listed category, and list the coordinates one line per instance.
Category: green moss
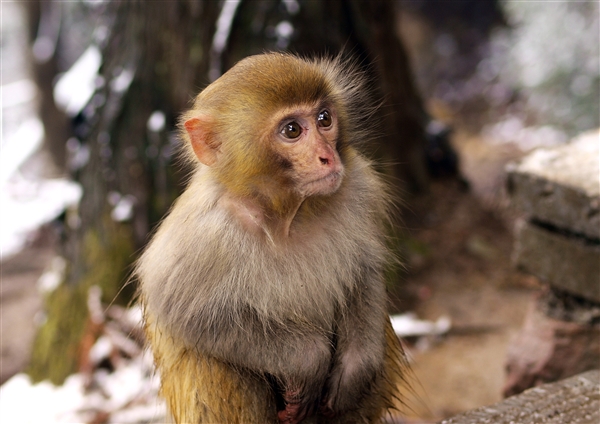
(57, 347)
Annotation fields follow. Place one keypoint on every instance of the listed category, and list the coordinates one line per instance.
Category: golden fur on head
(259, 82)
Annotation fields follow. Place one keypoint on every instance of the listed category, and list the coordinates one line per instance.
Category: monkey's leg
(383, 397)
(201, 389)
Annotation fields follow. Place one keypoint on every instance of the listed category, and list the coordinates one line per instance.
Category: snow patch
(75, 88)
(18, 93)
(408, 325)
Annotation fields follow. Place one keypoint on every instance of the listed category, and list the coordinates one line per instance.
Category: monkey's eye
(292, 130)
(324, 119)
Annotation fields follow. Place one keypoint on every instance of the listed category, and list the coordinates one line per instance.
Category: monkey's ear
(204, 143)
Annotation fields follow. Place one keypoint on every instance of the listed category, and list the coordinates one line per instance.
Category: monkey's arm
(360, 346)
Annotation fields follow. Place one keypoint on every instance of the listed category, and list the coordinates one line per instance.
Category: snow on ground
(408, 325)
(117, 384)
(127, 395)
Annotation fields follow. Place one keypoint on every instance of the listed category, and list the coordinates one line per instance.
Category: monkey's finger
(292, 414)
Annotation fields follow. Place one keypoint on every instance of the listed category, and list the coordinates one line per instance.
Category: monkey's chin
(323, 186)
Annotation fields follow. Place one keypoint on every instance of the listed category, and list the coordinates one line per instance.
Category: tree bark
(44, 70)
(130, 178)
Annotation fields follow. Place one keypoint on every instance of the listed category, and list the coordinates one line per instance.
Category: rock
(574, 400)
(548, 349)
(560, 186)
(558, 189)
(567, 262)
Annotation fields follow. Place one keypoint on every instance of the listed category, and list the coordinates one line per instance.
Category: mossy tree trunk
(155, 57)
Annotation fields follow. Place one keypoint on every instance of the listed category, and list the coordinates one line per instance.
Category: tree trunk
(155, 57)
(44, 69)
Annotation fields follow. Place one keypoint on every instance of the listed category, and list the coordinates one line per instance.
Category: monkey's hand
(295, 410)
(303, 376)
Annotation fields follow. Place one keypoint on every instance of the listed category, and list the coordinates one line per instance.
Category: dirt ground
(459, 265)
(21, 303)
(460, 268)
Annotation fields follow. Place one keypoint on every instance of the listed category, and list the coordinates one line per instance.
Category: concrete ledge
(573, 400)
(568, 263)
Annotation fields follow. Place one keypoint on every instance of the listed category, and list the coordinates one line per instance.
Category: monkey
(263, 288)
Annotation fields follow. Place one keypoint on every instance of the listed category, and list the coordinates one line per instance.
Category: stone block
(560, 186)
(574, 400)
(548, 349)
(566, 262)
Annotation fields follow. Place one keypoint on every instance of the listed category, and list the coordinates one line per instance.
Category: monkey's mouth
(324, 185)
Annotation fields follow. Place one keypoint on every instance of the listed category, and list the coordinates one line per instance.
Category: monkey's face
(304, 143)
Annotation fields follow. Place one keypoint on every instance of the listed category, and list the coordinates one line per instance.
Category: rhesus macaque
(263, 288)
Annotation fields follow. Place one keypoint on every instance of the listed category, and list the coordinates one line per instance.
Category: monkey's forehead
(272, 80)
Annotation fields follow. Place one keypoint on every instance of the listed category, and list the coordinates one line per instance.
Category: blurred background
(91, 93)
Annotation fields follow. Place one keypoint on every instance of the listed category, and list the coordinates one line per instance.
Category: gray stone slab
(567, 263)
(561, 185)
(573, 400)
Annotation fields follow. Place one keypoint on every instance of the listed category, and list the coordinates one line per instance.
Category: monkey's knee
(200, 389)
